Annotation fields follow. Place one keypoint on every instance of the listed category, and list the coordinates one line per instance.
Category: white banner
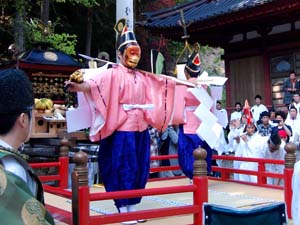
(124, 9)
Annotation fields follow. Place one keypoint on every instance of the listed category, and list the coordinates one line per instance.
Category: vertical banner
(125, 10)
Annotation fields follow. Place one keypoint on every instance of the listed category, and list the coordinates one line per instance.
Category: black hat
(16, 94)
(193, 66)
(124, 35)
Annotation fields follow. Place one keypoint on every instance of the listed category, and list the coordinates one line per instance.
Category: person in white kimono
(274, 149)
(295, 197)
(236, 129)
(249, 145)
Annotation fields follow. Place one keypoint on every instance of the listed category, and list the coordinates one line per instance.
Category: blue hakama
(124, 162)
(187, 143)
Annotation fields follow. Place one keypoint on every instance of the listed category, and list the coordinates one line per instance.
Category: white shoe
(141, 221)
(130, 222)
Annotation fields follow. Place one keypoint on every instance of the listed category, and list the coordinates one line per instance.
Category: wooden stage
(223, 193)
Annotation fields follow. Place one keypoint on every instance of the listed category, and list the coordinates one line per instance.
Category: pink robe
(117, 86)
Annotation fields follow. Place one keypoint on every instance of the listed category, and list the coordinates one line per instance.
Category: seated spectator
(258, 108)
(280, 120)
(22, 196)
(264, 128)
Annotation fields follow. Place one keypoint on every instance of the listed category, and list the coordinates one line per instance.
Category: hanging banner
(124, 9)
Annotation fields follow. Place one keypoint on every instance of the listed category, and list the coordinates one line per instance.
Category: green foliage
(36, 31)
(87, 3)
(63, 42)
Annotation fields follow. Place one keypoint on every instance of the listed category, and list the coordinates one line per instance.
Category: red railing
(261, 173)
(81, 199)
(81, 196)
(62, 167)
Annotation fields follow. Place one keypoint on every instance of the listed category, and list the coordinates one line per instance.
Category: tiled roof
(199, 10)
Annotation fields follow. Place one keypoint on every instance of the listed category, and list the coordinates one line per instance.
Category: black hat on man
(124, 35)
(16, 94)
(193, 66)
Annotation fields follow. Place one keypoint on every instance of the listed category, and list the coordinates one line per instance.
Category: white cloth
(5, 145)
(295, 197)
(127, 107)
(257, 110)
(295, 125)
(222, 117)
(235, 115)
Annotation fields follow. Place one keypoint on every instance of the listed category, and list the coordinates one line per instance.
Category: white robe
(274, 168)
(250, 149)
(295, 197)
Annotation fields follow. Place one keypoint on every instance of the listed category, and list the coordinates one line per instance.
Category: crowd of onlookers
(255, 131)
(259, 133)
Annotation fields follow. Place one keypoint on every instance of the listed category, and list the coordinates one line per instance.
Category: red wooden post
(64, 163)
(80, 190)
(261, 168)
(201, 181)
(290, 159)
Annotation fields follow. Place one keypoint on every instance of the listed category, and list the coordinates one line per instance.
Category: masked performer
(186, 104)
(128, 101)
(21, 191)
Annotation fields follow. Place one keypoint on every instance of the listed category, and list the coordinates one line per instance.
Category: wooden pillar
(229, 103)
(290, 159)
(268, 85)
(80, 189)
(201, 181)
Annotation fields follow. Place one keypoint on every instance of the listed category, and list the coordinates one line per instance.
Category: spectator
(293, 121)
(296, 102)
(237, 112)
(295, 197)
(170, 139)
(290, 87)
(258, 108)
(22, 197)
(264, 128)
(280, 120)
(221, 114)
(154, 146)
(272, 117)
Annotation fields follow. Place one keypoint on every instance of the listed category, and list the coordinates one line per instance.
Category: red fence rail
(81, 196)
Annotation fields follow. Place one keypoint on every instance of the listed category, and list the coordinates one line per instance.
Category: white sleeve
(295, 197)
